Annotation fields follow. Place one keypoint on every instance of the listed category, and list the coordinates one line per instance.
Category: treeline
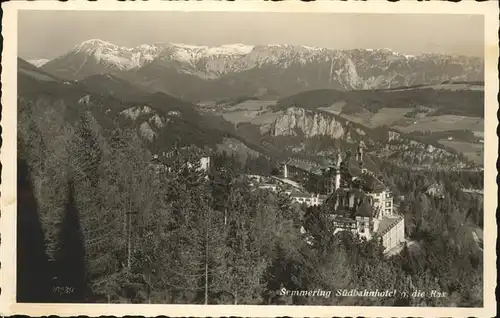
(99, 222)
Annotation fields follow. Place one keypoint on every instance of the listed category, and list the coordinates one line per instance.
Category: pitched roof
(302, 164)
(288, 182)
(368, 164)
(343, 219)
(364, 210)
(387, 223)
(372, 184)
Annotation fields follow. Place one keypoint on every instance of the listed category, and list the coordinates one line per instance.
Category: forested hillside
(117, 230)
(107, 224)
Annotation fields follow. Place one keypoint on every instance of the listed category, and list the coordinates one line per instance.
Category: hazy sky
(47, 34)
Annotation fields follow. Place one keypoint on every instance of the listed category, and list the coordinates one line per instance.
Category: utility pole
(225, 216)
(129, 241)
(129, 236)
(129, 228)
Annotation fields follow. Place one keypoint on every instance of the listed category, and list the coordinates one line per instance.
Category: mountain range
(198, 73)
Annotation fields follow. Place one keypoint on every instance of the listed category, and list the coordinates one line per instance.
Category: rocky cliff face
(304, 123)
(298, 120)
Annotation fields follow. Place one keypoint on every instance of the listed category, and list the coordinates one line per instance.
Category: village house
(304, 198)
(297, 169)
(297, 195)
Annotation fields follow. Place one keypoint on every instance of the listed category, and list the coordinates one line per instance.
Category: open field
(395, 117)
(388, 116)
(470, 150)
(265, 118)
(252, 117)
(240, 116)
(444, 123)
(255, 112)
(362, 118)
(335, 108)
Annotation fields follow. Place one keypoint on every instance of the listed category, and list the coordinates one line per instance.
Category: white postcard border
(8, 305)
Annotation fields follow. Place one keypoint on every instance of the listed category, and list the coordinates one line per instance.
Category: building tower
(359, 155)
(337, 176)
(284, 166)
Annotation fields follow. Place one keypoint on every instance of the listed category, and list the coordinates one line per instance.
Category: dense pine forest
(106, 225)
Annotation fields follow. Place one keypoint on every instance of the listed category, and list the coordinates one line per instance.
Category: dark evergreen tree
(70, 264)
(34, 274)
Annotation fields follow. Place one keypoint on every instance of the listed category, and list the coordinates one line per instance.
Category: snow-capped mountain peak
(218, 59)
(306, 67)
(94, 45)
(231, 49)
(188, 46)
(312, 48)
(112, 55)
(225, 49)
(125, 58)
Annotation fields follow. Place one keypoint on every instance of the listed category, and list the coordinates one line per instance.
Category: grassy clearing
(471, 150)
(335, 108)
(444, 123)
(395, 117)
(240, 116)
(252, 117)
(388, 116)
(255, 112)
(266, 118)
(362, 117)
(384, 117)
